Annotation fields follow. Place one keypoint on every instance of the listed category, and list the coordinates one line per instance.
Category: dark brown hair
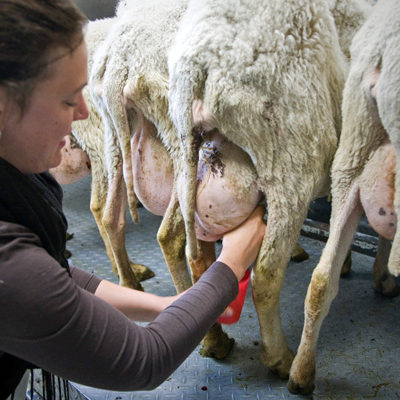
(29, 31)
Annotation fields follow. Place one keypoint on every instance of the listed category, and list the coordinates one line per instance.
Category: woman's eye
(71, 103)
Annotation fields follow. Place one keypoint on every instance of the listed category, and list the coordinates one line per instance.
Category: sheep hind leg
(384, 282)
(114, 222)
(172, 238)
(97, 206)
(267, 281)
(322, 290)
(346, 267)
(216, 343)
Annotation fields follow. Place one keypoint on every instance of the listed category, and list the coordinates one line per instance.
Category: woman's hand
(240, 246)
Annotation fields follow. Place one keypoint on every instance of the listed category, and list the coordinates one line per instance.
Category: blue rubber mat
(359, 347)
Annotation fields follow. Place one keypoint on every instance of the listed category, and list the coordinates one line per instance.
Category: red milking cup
(237, 304)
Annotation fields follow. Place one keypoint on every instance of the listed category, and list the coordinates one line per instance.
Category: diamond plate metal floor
(359, 348)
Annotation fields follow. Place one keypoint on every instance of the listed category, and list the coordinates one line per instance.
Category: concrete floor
(359, 347)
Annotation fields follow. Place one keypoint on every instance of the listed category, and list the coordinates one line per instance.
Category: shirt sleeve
(64, 329)
(85, 280)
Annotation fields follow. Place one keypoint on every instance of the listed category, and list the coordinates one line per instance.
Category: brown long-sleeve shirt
(58, 324)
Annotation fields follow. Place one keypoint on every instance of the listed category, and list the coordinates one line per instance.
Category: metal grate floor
(359, 348)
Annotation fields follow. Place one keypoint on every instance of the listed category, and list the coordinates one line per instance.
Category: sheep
(116, 95)
(108, 77)
(365, 174)
(270, 80)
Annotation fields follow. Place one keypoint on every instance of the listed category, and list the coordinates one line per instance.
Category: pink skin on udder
(377, 191)
(227, 191)
(224, 199)
(152, 169)
(74, 165)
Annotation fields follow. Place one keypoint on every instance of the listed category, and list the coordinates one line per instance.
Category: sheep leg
(98, 198)
(279, 241)
(360, 136)
(346, 267)
(216, 343)
(384, 282)
(205, 257)
(98, 201)
(171, 238)
(113, 221)
(323, 289)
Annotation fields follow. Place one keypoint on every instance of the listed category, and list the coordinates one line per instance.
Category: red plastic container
(237, 304)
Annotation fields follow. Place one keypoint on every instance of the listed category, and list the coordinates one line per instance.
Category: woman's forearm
(135, 304)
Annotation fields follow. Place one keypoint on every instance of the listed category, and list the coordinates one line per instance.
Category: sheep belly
(227, 190)
(377, 191)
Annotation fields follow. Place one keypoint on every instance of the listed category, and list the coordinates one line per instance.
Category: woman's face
(33, 142)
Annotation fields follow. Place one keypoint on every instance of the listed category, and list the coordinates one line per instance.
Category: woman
(58, 318)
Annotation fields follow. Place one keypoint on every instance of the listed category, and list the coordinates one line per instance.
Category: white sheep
(269, 79)
(128, 87)
(365, 174)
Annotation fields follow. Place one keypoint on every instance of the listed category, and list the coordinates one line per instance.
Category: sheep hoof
(387, 286)
(216, 344)
(296, 388)
(299, 254)
(346, 267)
(141, 272)
(131, 284)
(280, 366)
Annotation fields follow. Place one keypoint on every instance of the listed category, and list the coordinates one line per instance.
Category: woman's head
(30, 31)
(43, 69)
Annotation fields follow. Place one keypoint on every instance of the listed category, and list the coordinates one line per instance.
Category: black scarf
(34, 201)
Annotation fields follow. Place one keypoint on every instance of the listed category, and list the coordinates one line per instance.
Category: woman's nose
(81, 110)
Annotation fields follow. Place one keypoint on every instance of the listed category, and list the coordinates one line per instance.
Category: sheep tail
(181, 97)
